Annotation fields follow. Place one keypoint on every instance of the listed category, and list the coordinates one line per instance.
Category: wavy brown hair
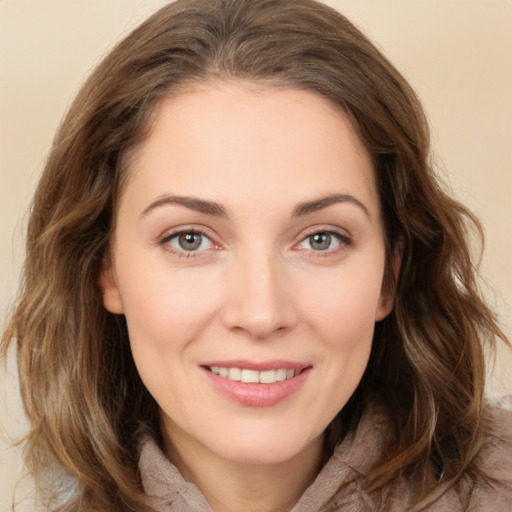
(86, 403)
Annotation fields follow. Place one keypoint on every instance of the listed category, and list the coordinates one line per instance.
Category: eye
(324, 241)
(189, 241)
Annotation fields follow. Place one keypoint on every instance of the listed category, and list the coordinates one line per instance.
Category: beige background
(456, 53)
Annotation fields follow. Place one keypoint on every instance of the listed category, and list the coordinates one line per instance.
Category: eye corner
(323, 242)
(187, 242)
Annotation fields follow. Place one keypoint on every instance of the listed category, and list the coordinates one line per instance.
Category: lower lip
(257, 395)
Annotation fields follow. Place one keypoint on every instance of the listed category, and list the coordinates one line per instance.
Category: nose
(258, 297)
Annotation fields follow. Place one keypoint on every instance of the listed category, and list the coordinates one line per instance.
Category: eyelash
(345, 242)
(164, 242)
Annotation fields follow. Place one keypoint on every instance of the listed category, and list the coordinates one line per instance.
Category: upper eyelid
(344, 233)
(172, 232)
(168, 234)
(163, 242)
(346, 239)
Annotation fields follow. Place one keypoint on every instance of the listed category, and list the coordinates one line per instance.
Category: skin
(258, 288)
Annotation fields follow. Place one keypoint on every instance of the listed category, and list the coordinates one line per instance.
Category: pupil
(320, 241)
(190, 241)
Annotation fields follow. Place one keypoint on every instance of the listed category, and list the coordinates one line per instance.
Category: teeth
(235, 374)
(253, 376)
(268, 377)
(281, 374)
(249, 376)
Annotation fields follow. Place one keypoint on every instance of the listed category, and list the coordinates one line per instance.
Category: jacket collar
(352, 459)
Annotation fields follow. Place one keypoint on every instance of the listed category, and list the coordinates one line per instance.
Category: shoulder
(490, 491)
(495, 458)
(494, 463)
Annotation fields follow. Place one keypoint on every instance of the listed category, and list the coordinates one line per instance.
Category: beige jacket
(339, 485)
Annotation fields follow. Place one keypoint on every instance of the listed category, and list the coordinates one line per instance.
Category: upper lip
(259, 366)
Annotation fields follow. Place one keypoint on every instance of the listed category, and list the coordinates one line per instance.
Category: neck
(231, 486)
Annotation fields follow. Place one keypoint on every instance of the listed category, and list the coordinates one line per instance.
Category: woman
(244, 286)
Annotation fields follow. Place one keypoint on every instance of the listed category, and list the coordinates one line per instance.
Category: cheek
(341, 315)
(165, 316)
(164, 310)
(346, 306)
(348, 322)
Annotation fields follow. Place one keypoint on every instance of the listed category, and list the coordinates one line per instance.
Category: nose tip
(258, 301)
(259, 327)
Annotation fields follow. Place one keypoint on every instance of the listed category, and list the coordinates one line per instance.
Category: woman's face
(248, 259)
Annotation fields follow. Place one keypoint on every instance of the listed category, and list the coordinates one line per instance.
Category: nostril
(257, 300)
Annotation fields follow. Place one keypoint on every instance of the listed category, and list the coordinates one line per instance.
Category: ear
(387, 296)
(110, 291)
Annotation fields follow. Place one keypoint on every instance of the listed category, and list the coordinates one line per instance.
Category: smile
(257, 384)
(253, 376)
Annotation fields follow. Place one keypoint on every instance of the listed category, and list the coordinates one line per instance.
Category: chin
(263, 449)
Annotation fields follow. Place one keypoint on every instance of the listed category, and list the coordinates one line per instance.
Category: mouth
(257, 384)
(250, 376)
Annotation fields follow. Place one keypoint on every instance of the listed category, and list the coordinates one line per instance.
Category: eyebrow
(217, 210)
(193, 203)
(324, 202)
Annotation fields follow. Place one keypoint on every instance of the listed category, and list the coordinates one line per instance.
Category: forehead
(261, 141)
